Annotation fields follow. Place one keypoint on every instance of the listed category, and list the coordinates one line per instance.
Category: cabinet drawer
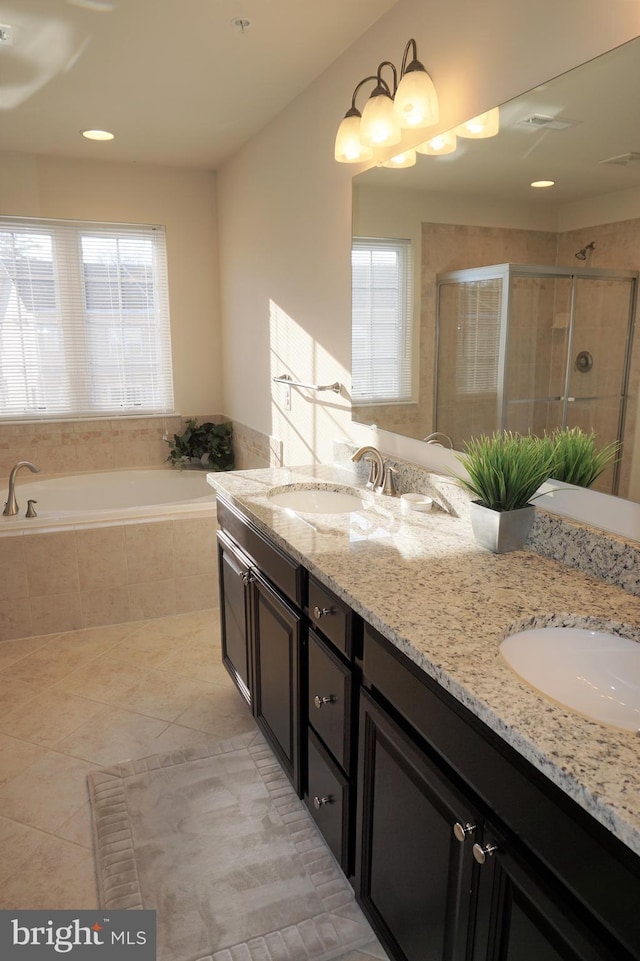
(330, 685)
(331, 616)
(328, 800)
(281, 570)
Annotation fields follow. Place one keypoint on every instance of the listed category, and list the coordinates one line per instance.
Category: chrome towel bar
(285, 379)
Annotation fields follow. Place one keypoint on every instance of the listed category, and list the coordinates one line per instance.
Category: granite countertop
(421, 580)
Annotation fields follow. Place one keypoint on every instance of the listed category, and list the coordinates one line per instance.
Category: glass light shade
(349, 148)
(416, 101)
(405, 159)
(480, 127)
(379, 127)
(438, 146)
(97, 134)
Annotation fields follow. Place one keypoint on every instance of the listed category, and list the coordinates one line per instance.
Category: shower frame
(507, 273)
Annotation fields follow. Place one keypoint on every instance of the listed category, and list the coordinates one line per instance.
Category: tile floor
(81, 700)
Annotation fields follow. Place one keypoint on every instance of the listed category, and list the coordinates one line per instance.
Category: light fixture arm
(383, 86)
(404, 68)
(354, 110)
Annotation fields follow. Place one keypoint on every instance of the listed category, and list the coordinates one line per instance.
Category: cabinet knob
(321, 701)
(319, 612)
(319, 802)
(462, 831)
(247, 577)
(481, 853)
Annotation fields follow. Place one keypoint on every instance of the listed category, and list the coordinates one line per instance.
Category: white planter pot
(501, 531)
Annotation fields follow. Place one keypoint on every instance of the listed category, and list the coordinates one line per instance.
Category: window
(84, 319)
(478, 340)
(382, 321)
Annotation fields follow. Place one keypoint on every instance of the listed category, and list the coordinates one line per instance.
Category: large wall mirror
(520, 300)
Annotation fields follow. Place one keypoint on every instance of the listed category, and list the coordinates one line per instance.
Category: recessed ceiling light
(542, 183)
(98, 135)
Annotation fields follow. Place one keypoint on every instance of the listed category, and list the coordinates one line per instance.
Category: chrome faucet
(11, 506)
(376, 465)
(435, 439)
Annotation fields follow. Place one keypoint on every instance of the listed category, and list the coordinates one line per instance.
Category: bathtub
(107, 548)
(121, 495)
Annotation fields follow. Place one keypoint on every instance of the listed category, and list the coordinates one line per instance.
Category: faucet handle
(389, 485)
(31, 511)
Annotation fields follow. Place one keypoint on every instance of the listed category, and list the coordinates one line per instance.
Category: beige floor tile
(113, 736)
(98, 681)
(223, 713)
(161, 694)
(58, 876)
(196, 660)
(48, 792)
(178, 736)
(14, 693)
(44, 667)
(51, 715)
(91, 642)
(12, 651)
(17, 756)
(78, 828)
(18, 842)
(184, 625)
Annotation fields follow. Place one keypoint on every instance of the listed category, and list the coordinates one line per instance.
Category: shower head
(582, 254)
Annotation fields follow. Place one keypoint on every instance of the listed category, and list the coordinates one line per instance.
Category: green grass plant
(505, 469)
(576, 457)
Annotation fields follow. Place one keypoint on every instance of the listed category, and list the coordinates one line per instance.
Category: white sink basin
(592, 672)
(319, 500)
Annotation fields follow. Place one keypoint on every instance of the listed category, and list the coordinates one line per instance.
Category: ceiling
(176, 80)
(599, 104)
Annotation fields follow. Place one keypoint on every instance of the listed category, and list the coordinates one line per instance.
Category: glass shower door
(596, 377)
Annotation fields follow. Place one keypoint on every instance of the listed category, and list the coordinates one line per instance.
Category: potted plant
(202, 446)
(576, 459)
(504, 472)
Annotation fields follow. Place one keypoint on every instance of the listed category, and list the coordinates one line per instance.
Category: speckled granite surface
(422, 581)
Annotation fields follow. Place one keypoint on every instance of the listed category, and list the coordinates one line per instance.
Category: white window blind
(84, 319)
(382, 321)
(478, 340)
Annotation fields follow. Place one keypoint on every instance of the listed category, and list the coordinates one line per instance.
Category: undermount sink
(319, 500)
(592, 672)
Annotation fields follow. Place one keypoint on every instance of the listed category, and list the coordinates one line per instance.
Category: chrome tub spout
(11, 506)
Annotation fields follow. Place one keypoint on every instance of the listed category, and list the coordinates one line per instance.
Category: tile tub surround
(422, 581)
(83, 578)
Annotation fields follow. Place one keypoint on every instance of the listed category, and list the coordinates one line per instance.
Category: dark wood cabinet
(277, 640)
(463, 851)
(459, 848)
(263, 634)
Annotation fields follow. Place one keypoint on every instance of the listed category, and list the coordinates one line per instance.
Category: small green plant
(208, 446)
(576, 459)
(505, 469)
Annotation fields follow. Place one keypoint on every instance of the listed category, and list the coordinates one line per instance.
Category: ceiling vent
(539, 120)
(623, 160)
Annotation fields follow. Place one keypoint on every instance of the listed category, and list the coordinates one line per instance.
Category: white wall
(184, 201)
(284, 205)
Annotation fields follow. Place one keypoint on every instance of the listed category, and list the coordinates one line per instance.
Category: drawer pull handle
(462, 831)
(482, 853)
(319, 802)
(319, 612)
(321, 701)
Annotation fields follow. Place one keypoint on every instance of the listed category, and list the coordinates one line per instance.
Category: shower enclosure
(530, 348)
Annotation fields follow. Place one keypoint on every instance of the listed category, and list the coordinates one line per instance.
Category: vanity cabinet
(262, 628)
(332, 691)
(463, 852)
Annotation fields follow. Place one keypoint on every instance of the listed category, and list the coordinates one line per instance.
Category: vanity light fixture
(405, 159)
(438, 146)
(98, 135)
(410, 104)
(481, 127)
(542, 183)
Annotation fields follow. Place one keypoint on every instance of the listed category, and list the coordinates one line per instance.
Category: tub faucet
(11, 507)
(376, 468)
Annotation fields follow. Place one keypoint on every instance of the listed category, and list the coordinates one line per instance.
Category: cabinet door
(277, 638)
(524, 917)
(413, 878)
(234, 614)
